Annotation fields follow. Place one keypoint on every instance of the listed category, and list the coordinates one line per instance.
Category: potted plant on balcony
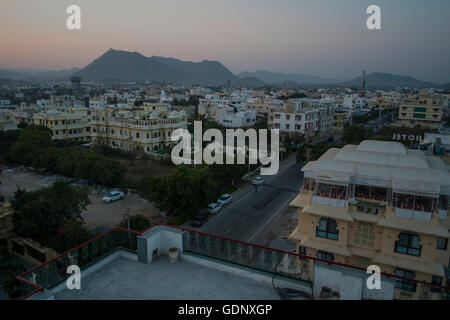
(173, 254)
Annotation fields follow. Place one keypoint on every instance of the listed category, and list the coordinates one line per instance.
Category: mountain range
(118, 65)
(125, 66)
(37, 75)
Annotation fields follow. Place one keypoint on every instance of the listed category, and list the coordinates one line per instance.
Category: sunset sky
(319, 37)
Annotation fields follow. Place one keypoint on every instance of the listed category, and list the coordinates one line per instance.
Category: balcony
(330, 202)
(413, 214)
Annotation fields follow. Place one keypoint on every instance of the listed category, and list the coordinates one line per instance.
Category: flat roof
(125, 279)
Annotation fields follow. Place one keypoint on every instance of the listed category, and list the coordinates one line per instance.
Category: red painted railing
(40, 288)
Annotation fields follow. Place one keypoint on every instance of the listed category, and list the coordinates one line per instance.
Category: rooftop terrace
(123, 278)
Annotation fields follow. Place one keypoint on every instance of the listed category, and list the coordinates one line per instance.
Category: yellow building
(71, 124)
(149, 128)
(378, 204)
(341, 118)
(379, 104)
(422, 109)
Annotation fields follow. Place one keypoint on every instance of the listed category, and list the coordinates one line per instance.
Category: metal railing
(54, 271)
(285, 263)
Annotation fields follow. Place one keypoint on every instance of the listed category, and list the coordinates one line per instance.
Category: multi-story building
(424, 109)
(326, 108)
(341, 118)
(131, 129)
(378, 204)
(296, 118)
(228, 118)
(380, 103)
(7, 121)
(71, 124)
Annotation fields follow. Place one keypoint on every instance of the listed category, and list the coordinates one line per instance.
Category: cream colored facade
(422, 109)
(7, 121)
(71, 124)
(380, 104)
(149, 128)
(378, 204)
(341, 119)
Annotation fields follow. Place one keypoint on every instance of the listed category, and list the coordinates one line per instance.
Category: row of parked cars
(203, 214)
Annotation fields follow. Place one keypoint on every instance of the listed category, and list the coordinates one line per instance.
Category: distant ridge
(279, 78)
(119, 65)
(378, 80)
(125, 66)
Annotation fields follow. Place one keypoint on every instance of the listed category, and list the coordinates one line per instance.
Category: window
(327, 228)
(405, 284)
(325, 255)
(302, 250)
(442, 243)
(364, 235)
(408, 243)
(436, 280)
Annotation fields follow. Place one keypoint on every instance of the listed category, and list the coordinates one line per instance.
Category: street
(251, 215)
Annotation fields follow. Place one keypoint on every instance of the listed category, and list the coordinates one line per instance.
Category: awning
(419, 188)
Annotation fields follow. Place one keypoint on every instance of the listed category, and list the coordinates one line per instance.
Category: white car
(113, 196)
(214, 207)
(225, 199)
(258, 181)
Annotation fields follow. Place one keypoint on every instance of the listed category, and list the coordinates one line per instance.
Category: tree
(355, 134)
(138, 222)
(70, 235)
(41, 213)
(8, 281)
(182, 189)
(31, 140)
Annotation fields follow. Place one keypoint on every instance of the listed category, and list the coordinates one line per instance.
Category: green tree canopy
(138, 222)
(41, 213)
(183, 189)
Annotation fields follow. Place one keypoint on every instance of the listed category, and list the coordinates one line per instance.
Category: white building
(228, 118)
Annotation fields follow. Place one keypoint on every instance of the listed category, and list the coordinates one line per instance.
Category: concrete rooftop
(124, 279)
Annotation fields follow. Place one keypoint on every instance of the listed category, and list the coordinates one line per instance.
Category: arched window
(327, 228)
(408, 243)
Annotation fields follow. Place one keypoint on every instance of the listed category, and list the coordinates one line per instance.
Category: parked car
(214, 207)
(113, 196)
(225, 199)
(258, 181)
(200, 218)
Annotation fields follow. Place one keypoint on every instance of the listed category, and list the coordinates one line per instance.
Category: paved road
(251, 213)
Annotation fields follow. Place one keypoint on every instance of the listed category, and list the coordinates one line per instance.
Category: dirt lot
(98, 214)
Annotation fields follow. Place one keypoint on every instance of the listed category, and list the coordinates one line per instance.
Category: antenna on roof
(363, 83)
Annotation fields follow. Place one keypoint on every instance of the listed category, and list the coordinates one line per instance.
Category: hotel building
(70, 124)
(378, 204)
(149, 128)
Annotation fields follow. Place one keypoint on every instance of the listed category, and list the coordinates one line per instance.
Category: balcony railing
(330, 202)
(413, 214)
(54, 271)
